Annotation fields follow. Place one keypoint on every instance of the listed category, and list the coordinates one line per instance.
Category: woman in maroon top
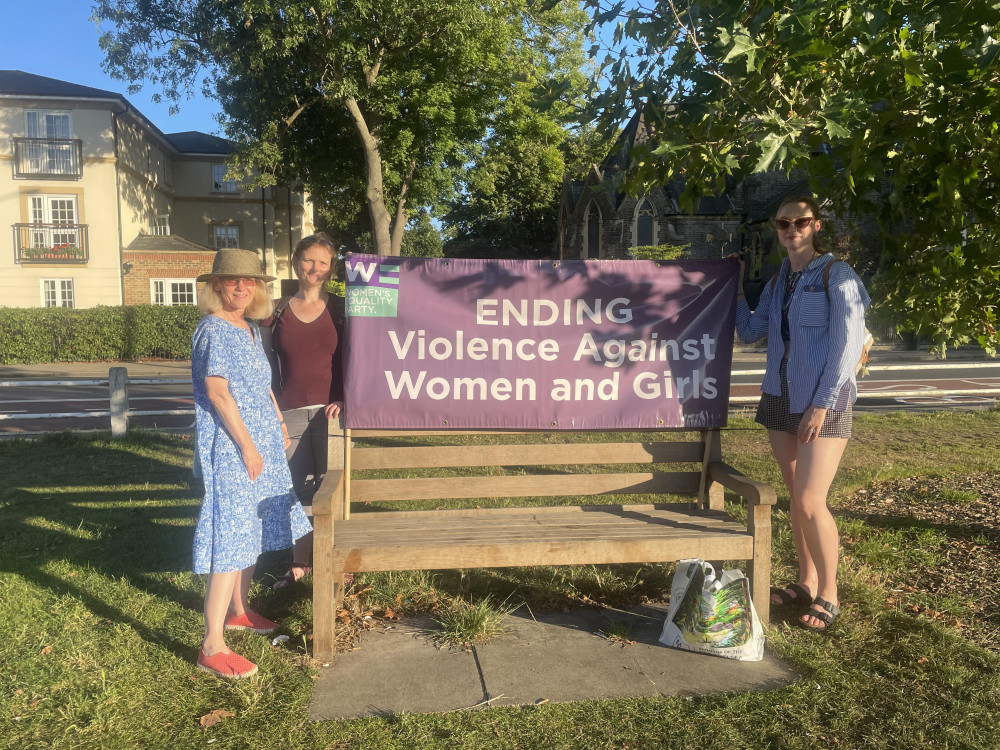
(309, 387)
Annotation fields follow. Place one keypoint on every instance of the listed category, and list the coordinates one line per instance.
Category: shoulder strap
(336, 305)
(279, 308)
(774, 280)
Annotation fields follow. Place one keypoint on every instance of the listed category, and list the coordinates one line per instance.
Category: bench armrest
(757, 493)
(329, 498)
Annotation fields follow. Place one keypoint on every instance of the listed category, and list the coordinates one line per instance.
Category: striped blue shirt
(827, 334)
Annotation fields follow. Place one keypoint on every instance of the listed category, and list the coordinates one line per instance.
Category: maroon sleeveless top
(309, 358)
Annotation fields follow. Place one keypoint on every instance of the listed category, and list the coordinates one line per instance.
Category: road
(18, 405)
(894, 383)
(900, 384)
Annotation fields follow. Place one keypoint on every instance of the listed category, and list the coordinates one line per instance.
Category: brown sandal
(289, 578)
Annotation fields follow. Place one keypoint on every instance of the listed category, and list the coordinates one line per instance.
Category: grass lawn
(100, 616)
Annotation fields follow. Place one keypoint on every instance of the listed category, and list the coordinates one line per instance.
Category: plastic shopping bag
(712, 615)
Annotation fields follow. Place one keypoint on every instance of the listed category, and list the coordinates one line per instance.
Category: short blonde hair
(210, 301)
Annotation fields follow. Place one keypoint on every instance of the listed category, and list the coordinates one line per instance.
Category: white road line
(901, 368)
(919, 400)
(105, 399)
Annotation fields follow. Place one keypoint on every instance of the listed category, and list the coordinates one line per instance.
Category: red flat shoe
(231, 666)
(250, 621)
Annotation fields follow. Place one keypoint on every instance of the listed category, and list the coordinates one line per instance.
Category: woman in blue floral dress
(249, 504)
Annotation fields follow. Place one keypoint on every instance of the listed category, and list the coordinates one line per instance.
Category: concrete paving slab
(548, 657)
(570, 657)
(395, 669)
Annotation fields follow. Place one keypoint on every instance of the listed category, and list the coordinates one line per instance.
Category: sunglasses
(247, 282)
(800, 223)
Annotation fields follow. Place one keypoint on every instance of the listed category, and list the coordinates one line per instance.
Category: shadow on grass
(121, 509)
(964, 531)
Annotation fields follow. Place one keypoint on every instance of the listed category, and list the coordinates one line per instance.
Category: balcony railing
(51, 243)
(48, 158)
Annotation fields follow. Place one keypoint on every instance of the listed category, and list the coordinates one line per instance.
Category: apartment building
(105, 209)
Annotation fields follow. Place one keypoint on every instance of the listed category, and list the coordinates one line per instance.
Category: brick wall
(160, 265)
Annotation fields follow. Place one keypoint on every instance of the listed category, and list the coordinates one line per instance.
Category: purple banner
(512, 344)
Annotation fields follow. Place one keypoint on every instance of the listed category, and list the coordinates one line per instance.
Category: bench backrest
(436, 465)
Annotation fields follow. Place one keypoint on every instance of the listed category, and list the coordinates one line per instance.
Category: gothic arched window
(645, 225)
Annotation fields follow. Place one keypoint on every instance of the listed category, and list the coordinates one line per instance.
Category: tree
(890, 107)
(367, 102)
(507, 202)
(422, 239)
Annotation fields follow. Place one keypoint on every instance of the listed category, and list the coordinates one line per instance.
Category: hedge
(56, 334)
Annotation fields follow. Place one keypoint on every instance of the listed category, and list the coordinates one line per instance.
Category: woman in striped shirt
(813, 314)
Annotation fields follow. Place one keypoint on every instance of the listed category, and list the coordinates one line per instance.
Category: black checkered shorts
(773, 412)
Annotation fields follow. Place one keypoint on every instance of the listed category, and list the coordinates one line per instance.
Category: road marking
(888, 388)
(932, 400)
(104, 399)
(902, 368)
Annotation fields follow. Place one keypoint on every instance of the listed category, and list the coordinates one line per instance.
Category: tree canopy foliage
(366, 102)
(422, 239)
(508, 199)
(890, 106)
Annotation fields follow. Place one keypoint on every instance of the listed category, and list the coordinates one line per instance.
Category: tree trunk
(400, 219)
(374, 193)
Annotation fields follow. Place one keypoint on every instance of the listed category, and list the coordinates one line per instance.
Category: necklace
(812, 257)
(791, 281)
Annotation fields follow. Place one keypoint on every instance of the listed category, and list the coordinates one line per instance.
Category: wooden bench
(375, 539)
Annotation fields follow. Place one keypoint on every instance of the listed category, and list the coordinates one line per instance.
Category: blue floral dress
(239, 519)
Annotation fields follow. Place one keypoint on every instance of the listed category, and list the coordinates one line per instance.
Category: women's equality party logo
(372, 289)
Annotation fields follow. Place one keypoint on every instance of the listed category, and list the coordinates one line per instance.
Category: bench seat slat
(684, 508)
(525, 455)
(542, 552)
(489, 539)
(376, 531)
(548, 485)
(604, 519)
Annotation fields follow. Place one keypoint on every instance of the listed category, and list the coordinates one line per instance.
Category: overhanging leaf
(770, 147)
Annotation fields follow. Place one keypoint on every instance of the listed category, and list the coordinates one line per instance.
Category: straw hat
(231, 261)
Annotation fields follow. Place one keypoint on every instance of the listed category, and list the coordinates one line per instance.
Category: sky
(57, 39)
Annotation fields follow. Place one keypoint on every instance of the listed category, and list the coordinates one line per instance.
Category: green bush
(158, 331)
(659, 252)
(57, 334)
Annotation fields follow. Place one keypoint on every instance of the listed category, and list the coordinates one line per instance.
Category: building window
(592, 239)
(219, 181)
(56, 217)
(226, 237)
(44, 124)
(48, 149)
(172, 292)
(57, 293)
(645, 225)
(160, 226)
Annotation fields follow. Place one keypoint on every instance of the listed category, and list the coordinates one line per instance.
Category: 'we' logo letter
(365, 271)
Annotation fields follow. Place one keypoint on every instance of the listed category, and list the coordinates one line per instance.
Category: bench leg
(759, 521)
(716, 497)
(325, 601)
